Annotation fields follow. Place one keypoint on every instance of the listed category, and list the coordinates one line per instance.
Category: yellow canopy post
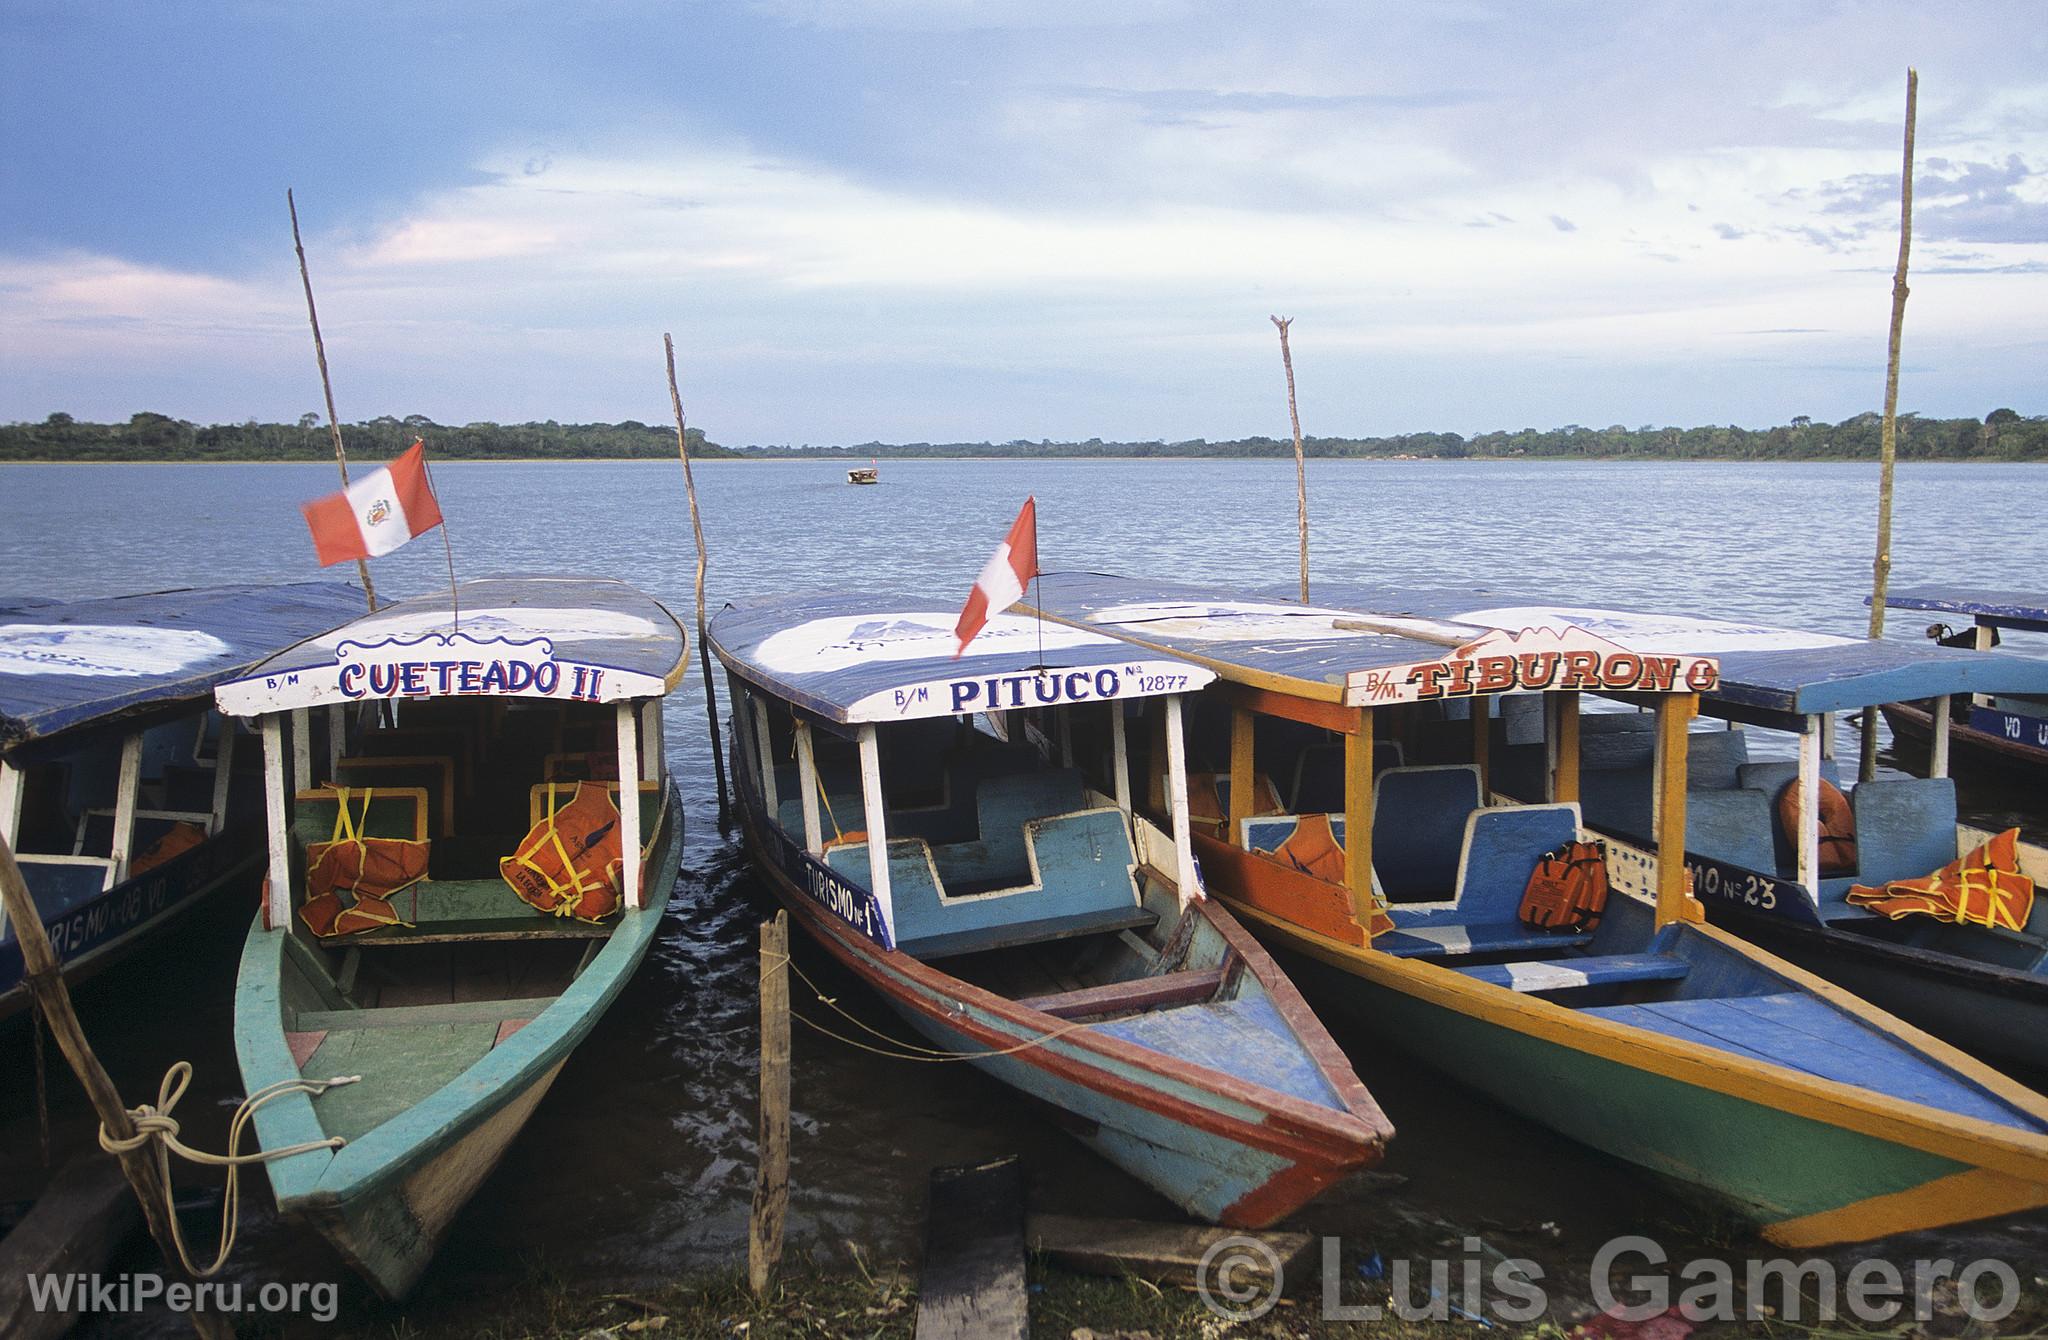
(1240, 774)
(1358, 820)
(1564, 781)
(1674, 894)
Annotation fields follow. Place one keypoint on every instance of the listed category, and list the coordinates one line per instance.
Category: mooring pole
(1888, 436)
(771, 1178)
(327, 384)
(1300, 467)
(45, 978)
(697, 527)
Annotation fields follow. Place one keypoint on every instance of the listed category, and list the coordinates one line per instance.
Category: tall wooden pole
(1300, 467)
(697, 527)
(326, 385)
(771, 1178)
(45, 979)
(1888, 439)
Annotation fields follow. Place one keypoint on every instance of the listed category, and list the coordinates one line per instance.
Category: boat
(463, 743)
(2008, 732)
(961, 835)
(119, 791)
(865, 474)
(1399, 892)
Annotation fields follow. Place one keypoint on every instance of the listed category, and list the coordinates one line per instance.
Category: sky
(932, 220)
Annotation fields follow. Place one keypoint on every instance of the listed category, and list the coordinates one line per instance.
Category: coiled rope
(154, 1125)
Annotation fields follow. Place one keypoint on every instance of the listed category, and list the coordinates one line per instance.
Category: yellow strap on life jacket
(569, 896)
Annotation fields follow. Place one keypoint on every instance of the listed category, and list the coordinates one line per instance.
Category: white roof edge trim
(1003, 691)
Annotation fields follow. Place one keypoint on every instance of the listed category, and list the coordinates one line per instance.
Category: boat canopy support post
(1358, 820)
(1937, 750)
(878, 839)
(1482, 746)
(1807, 844)
(278, 902)
(807, 782)
(1177, 802)
(1120, 749)
(1564, 759)
(10, 817)
(223, 773)
(1674, 899)
(302, 750)
(653, 747)
(337, 732)
(1241, 726)
(632, 886)
(764, 753)
(1063, 719)
(124, 805)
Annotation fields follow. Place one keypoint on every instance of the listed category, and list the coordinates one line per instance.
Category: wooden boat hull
(125, 917)
(1203, 1139)
(385, 1201)
(1967, 744)
(1809, 1164)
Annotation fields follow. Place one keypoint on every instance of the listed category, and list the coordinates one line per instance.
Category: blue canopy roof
(587, 639)
(66, 664)
(1777, 669)
(2018, 609)
(876, 658)
(1361, 651)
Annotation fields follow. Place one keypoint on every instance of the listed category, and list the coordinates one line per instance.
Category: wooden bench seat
(406, 1016)
(1139, 993)
(1545, 975)
(952, 943)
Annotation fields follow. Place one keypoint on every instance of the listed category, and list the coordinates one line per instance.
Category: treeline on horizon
(2002, 435)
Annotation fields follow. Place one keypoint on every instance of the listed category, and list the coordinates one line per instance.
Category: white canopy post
(223, 771)
(1937, 753)
(337, 732)
(1827, 734)
(878, 839)
(764, 750)
(302, 750)
(125, 798)
(1120, 747)
(279, 904)
(629, 805)
(653, 749)
(1807, 841)
(807, 781)
(10, 816)
(1177, 802)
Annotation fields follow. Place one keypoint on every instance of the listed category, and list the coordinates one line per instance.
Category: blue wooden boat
(459, 1018)
(964, 836)
(119, 791)
(2008, 732)
(1393, 878)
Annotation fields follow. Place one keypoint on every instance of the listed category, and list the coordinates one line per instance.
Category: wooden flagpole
(1300, 467)
(45, 979)
(326, 385)
(675, 398)
(1888, 436)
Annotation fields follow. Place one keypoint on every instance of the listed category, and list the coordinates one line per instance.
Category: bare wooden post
(45, 979)
(771, 1178)
(1300, 467)
(697, 527)
(326, 385)
(1888, 439)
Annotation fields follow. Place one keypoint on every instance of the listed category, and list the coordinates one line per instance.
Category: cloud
(1955, 202)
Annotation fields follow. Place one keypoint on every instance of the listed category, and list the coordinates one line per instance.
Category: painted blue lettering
(1047, 687)
(494, 678)
(1106, 683)
(467, 680)
(412, 677)
(518, 677)
(351, 681)
(383, 680)
(965, 691)
(1077, 685)
(547, 678)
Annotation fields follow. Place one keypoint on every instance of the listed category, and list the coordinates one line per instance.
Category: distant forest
(2002, 435)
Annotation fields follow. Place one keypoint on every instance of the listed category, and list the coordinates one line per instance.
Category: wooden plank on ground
(1160, 1252)
(972, 1286)
(86, 1213)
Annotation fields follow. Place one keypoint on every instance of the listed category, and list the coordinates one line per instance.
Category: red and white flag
(1001, 583)
(377, 513)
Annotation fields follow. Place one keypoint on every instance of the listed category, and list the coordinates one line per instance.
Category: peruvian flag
(377, 513)
(1001, 583)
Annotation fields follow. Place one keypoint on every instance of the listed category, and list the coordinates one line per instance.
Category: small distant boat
(2005, 731)
(456, 1001)
(961, 834)
(1406, 897)
(865, 474)
(119, 790)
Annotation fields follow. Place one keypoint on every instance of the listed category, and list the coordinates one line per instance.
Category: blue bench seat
(1539, 977)
(1451, 938)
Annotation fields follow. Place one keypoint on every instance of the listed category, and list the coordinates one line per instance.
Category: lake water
(639, 1164)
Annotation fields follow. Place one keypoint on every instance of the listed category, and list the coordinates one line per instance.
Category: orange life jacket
(1313, 849)
(1837, 825)
(350, 879)
(181, 838)
(1568, 889)
(1984, 887)
(568, 864)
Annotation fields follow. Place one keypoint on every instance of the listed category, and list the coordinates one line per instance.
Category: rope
(906, 1051)
(38, 1024)
(155, 1125)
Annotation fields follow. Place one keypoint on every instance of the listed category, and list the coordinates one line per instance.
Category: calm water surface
(639, 1163)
